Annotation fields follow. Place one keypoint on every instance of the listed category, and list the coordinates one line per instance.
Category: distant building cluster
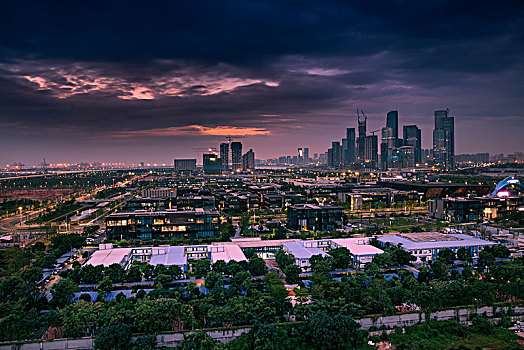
(389, 148)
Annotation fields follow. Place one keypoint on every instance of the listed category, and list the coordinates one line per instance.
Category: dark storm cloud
(100, 73)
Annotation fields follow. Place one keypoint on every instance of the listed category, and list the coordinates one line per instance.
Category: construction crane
(361, 112)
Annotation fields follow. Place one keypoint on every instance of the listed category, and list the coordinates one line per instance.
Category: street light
(20, 210)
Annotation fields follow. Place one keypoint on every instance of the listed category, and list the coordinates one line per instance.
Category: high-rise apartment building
(224, 155)
(361, 141)
(248, 160)
(392, 122)
(413, 137)
(386, 146)
(236, 156)
(212, 164)
(371, 151)
(444, 140)
(335, 155)
(350, 154)
(300, 154)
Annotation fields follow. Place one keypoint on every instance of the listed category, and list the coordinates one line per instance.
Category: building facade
(413, 137)
(236, 156)
(314, 217)
(212, 164)
(444, 140)
(185, 165)
(392, 122)
(224, 155)
(248, 161)
(144, 225)
(350, 151)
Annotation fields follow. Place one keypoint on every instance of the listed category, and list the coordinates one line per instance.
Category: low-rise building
(314, 217)
(165, 224)
(161, 192)
(426, 245)
(360, 249)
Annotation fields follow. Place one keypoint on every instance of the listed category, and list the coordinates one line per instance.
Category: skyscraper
(248, 160)
(335, 155)
(386, 147)
(224, 155)
(392, 122)
(300, 156)
(412, 137)
(350, 156)
(371, 153)
(306, 155)
(361, 141)
(236, 156)
(444, 140)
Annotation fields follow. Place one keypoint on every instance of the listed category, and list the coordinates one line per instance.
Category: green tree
(269, 337)
(32, 274)
(199, 341)
(500, 251)
(134, 274)
(106, 285)
(78, 318)
(175, 272)
(12, 288)
(440, 270)
(486, 258)
(214, 279)
(115, 272)
(337, 331)
(464, 254)
(219, 266)
(148, 272)
(14, 258)
(15, 321)
(62, 292)
(144, 342)
(341, 258)
(446, 256)
(163, 280)
(283, 259)
(257, 266)
(92, 274)
(114, 337)
(201, 267)
(292, 274)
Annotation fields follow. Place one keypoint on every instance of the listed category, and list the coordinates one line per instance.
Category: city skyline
(146, 84)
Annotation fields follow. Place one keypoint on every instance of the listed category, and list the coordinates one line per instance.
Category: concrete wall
(410, 319)
(403, 320)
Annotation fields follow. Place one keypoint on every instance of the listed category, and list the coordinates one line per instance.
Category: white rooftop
(300, 252)
(108, 257)
(172, 255)
(358, 246)
(227, 252)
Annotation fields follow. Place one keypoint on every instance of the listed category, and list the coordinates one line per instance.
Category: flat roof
(358, 246)
(107, 257)
(259, 243)
(173, 255)
(452, 241)
(300, 252)
(227, 252)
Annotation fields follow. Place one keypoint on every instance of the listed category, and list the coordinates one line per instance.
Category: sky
(132, 81)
